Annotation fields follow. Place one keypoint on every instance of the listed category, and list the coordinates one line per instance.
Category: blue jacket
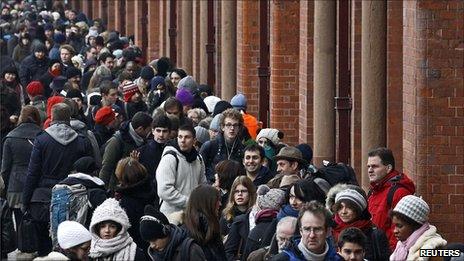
(293, 253)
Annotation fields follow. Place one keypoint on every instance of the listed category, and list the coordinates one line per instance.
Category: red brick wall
(154, 30)
(433, 104)
(111, 14)
(248, 52)
(217, 55)
(196, 41)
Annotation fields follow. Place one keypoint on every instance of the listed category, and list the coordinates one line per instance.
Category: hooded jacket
(32, 68)
(377, 201)
(54, 152)
(81, 128)
(177, 178)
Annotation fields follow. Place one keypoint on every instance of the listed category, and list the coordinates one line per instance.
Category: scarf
(190, 156)
(402, 247)
(310, 255)
(138, 140)
(361, 224)
(121, 247)
(178, 235)
(287, 211)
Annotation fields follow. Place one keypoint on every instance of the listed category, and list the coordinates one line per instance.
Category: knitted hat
(85, 165)
(59, 38)
(147, 73)
(51, 62)
(72, 72)
(74, 93)
(353, 196)
(306, 150)
(154, 224)
(270, 198)
(128, 90)
(188, 83)
(413, 207)
(110, 210)
(93, 98)
(270, 134)
(40, 47)
(210, 102)
(216, 123)
(71, 234)
(220, 107)
(117, 53)
(184, 96)
(202, 134)
(239, 101)
(204, 88)
(291, 154)
(105, 116)
(155, 81)
(34, 88)
(58, 83)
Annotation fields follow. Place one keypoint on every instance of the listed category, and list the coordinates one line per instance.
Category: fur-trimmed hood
(330, 200)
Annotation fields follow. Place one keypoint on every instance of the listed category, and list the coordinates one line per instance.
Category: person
(242, 198)
(53, 70)
(173, 107)
(110, 239)
(253, 160)
(53, 153)
(73, 240)
(384, 181)
(158, 93)
(135, 191)
(313, 220)
(186, 99)
(176, 75)
(269, 139)
(23, 49)
(226, 172)
(227, 145)
(146, 74)
(133, 99)
(35, 93)
(106, 123)
(196, 115)
(180, 170)
(289, 163)
(34, 65)
(167, 241)
(352, 244)
(11, 92)
(17, 148)
(413, 230)
(285, 231)
(130, 136)
(66, 53)
(250, 122)
(201, 220)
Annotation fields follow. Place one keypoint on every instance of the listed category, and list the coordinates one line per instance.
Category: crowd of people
(105, 156)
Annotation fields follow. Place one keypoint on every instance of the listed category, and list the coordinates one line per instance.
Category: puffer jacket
(32, 69)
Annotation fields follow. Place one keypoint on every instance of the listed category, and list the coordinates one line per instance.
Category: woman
(110, 239)
(11, 91)
(17, 150)
(412, 229)
(196, 115)
(240, 201)
(226, 173)
(201, 221)
(134, 192)
(177, 75)
(351, 210)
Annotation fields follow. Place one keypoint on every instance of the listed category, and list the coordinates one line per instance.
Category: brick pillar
(217, 60)
(306, 72)
(186, 23)
(228, 49)
(155, 29)
(179, 34)
(103, 10)
(111, 9)
(86, 7)
(120, 18)
(141, 32)
(160, 23)
(129, 14)
(96, 6)
(248, 52)
(203, 74)
(284, 68)
(433, 105)
(196, 41)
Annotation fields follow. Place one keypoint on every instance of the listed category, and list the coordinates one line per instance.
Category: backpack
(336, 173)
(68, 202)
(391, 191)
(173, 153)
(185, 249)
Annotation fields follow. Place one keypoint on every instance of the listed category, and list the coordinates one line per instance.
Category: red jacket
(378, 206)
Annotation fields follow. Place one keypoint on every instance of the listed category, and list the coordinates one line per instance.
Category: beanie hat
(184, 96)
(188, 83)
(220, 107)
(40, 47)
(128, 90)
(204, 88)
(93, 98)
(117, 53)
(239, 101)
(216, 123)
(48, 27)
(306, 150)
(147, 73)
(155, 81)
(85, 165)
(51, 62)
(105, 116)
(211, 102)
(71, 234)
(59, 38)
(34, 88)
(414, 208)
(201, 134)
(270, 198)
(154, 224)
(110, 210)
(58, 83)
(353, 196)
(72, 72)
(270, 134)
(74, 93)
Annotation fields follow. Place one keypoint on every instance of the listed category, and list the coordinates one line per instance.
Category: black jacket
(133, 107)
(238, 234)
(264, 176)
(263, 222)
(102, 134)
(32, 69)
(225, 225)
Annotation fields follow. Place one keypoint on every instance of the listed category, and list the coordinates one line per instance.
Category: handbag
(27, 235)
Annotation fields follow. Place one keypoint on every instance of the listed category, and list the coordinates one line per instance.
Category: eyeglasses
(316, 230)
(230, 125)
(238, 191)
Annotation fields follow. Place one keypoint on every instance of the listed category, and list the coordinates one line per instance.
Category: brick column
(96, 6)
(433, 105)
(306, 72)
(120, 17)
(196, 40)
(217, 59)
(86, 7)
(228, 49)
(111, 9)
(284, 68)
(160, 23)
(130, 17)
(203, 74)
(248, 52)
(154, 30)
(186, 23)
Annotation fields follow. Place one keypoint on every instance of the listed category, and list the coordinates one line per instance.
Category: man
(74, 77)
(59, 39)
(314, 220)
(106, 123)
(66, 53)
(180, 170)
(227, 145)
(387, 187)
(130, 136)
(54, 70)
(133, 99)
(253, 160)
(289, 163)
(107, 59)
(352, 244)
(52, 157)
(239, 102)
(173, 107)
(34, 65)
(109, 92)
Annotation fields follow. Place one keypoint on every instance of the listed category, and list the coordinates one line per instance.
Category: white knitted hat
(71, 234)
(413, 207)
(210, 102)
(353, 196)
(270, 134)
(110, 210)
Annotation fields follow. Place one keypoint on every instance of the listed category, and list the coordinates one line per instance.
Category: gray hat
(216, 123)
(291, 154)
(202, 134)
(414, 208)
(353, 196)
(270, 198)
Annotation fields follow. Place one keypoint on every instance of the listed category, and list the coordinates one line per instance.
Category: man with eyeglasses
(314, 221)
(227, 145)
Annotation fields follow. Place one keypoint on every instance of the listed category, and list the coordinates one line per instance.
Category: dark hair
(97, 226)
(385, 155)
(29, 114)
(307, 190)
(103, 56)
(74, 108)
(227, 171)
(106, 86)
(415, 226)
(350, 204)
(141, 119)
(188, 127)
(172, 102)
(201, 216)
(318, 209)
(255, 147)
(179, 72)
(130, 172)
(162, 121)
(61, 112)
(352, 235)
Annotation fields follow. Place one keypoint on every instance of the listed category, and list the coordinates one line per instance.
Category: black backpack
(336, 173)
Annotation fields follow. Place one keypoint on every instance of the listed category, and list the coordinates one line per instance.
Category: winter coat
(263, 177)
(10, 99)
(20, 52)
(263, 221)
(430, 239)
(293, 253)
(102, 134)
(226, 225)
(265, 253)
(177, 178)
(214, 151)
(46, 80)
(154, 100)
(54, 53)
(150, 157)
(7, 232)
(17, 147)
(133, 107)
(40, 102)
(377, 201)
(81, 128)
(54, 152)
(236, 240)
(133, 200)
(32, 69)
